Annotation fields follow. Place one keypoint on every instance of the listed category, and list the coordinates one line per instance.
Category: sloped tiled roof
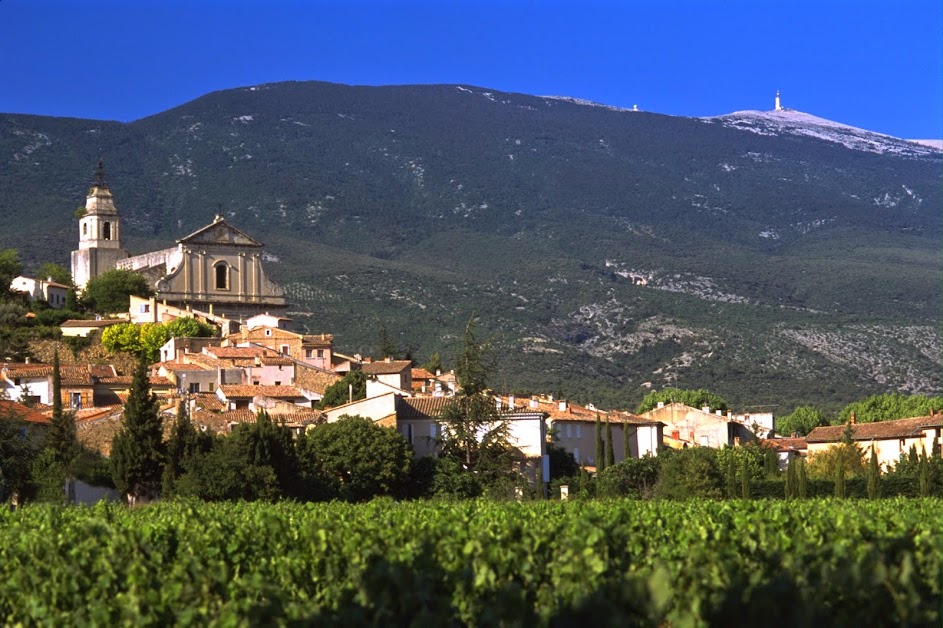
(19, 412)
(901, 428)
(383, 367)
(238, 391)
(421, 407)
(421, 373)
(314, 379)
(94, 324)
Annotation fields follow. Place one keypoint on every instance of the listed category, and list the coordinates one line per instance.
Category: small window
(309, 353)
(222, 276)
(195, 387)
(578, 430)
(284, 349)
(268, 332)
(144, 308)
(576, 454)
(278, 383)
(85, 230)
(106, 231)
(320, 353)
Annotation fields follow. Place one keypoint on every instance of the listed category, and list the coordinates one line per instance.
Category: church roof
(219, 232)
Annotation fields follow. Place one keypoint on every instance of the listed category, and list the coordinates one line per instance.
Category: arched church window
(84, 229)
(222, 276)
(106, 231)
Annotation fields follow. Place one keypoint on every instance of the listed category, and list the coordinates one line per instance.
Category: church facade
(216, 269)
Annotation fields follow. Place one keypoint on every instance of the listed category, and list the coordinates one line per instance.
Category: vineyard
(810, 562)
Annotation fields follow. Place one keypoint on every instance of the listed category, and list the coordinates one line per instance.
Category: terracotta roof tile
(19, 412)
(421, 373)
(901, 428)
(276, 392)
(421, 407)
(90, 323)
(386, 368)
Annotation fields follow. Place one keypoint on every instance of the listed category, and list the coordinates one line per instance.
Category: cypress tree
(874, 476)
(600, 452)
(62, 439)
(137, 450)
(731, 478)
(181, 444)
(840, 478)
(745, 479)
(923, 475)
(791, 479)
(626, 442)
(801, 477)
(610, 452)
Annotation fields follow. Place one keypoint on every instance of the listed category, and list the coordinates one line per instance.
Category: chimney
(852, 418)
(719, 413)
(438, 372)
(389, 359)
(367, 360)
(676, 434)
(729, 415)
(534, 403)
(511, 401)
(562, 406)
(706, 409)
(661, 404)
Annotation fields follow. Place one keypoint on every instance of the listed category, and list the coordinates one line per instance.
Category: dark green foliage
(56, 272)
(19, 445)
(923, 475)
(770, 464)
(137, 450)
(434, 365)
(688, 473)
(352, 387)
(223, 474)
(185, 443)
(610, 453)
(693, 398)
(888, 407)
(600, 459)
(731, 478)
(634, 477)
(800, 421)
(562, 462)
(386, 348)
(265, 444)
(840, 479)
(802, 479)
(745, 480)
(49, 477)
(361, 459)
(109, 292)
(61, 438)
(10, 269)
(471, 368)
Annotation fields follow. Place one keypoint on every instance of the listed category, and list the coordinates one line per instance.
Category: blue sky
(872, 64)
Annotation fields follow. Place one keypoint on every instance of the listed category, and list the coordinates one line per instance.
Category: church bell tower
(99, 234)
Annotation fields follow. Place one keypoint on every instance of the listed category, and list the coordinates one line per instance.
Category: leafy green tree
(472, 430)
(19, 446)
(689, 473)
(10, 269)
(339, 393)
(189, 327)
(268, 444)
(56, 272)
(800, 421)
(846, 455)
(692, 398)
(184, 443)
(137, 450)
(124, 338)
(889, 407)
(223, 474)
(874, 476)
(633, 477)
(110, 292)
(364, 460)
(434, 365)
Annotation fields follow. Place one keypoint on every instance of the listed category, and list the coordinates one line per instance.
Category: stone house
(890, 439)
(688, 427)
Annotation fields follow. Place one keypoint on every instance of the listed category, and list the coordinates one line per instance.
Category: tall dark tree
(600, 459)
(62, 438)
(745, 480)
(792, 478)
(265, 443)
(610, 452)
(386, 348)
(731, 478)
(184, 443)
(840, 479)
(137, 450)
(801, 478)
(472, 429)
(874, 476)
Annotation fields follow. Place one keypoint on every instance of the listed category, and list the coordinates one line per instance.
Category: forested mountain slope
(779, 266)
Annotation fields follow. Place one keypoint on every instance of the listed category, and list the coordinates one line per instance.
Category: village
(255, 362)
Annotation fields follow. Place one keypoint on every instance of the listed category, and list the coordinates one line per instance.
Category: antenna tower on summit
(778, 106)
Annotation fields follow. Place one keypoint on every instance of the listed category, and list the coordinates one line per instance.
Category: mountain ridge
(427, 203)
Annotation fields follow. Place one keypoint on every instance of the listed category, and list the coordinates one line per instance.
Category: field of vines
(802, 563)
